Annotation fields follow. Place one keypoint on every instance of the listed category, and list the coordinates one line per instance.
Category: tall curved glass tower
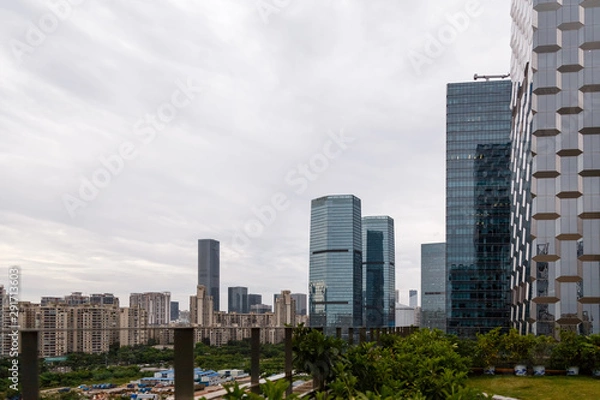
(335, 275)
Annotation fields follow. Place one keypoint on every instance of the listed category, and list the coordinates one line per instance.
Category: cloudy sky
(128, 130)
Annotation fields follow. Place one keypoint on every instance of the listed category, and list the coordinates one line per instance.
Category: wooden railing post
(288, 359)
(254, 360)
(184, 363)
(29, 376)
(350, 336)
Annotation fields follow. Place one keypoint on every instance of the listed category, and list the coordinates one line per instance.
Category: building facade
(521, 167)
(209, 269)
(156, 304)
(174, 310)
(478, 179)
(201, 307)
(285, 309)
(254, 299)
(433, 286)
(379, 271)
(237, 299)
(556, 97)
(261, 308)
(300, 299)
(133, 323)
(405, 315)
(335, 271)
(218, 327)
(413, 298)
(67, 328)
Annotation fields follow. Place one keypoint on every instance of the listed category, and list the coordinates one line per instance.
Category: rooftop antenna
(488, 77)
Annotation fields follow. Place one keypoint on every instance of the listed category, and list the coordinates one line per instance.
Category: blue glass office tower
(379, 271)
(478, 179)
(237, 300)
(433, 286)
(335, 273)
(209, 270)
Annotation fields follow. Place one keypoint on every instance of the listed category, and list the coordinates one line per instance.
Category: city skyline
(255, 102)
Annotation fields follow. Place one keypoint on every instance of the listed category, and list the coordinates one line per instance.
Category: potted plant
(567, 354)
(540, 352)
(488, 349)
(516, 348)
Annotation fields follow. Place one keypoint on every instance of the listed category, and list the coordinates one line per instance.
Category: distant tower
(335, 273)
(254, 299)
(300, 299)
(433, 286)
(379, 271)
(201, 308)
(209, 268)
(237, 300)
(174, 310)
(413, 297)
(285, 309)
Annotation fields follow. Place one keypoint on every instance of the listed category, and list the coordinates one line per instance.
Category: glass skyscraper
(379, 271)
(254, 299)
(335, 273)
(556, 97)
(237, 300)
(433, 286)
(209, 268)
(478, 180)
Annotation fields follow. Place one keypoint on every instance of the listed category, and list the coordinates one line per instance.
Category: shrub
(591, 352)
(422, 365)
(515, 348)
(316, 354)
(488, 347)
(541, 350)
(568, 351)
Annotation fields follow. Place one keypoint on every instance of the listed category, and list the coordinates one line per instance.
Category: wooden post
(29, 370)
(350, 336)
(184, 363)
(288, 359)
(254, 360)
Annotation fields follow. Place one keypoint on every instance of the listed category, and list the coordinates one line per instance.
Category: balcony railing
(184, 340)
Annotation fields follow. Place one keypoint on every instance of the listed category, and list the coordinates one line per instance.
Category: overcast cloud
(214, 107)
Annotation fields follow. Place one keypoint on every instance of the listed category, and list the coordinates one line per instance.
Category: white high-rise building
(556, 97)
(156, 304)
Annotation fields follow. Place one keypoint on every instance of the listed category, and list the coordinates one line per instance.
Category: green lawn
(539, 387)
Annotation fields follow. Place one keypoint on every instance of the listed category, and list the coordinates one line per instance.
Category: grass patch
(538, 387)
